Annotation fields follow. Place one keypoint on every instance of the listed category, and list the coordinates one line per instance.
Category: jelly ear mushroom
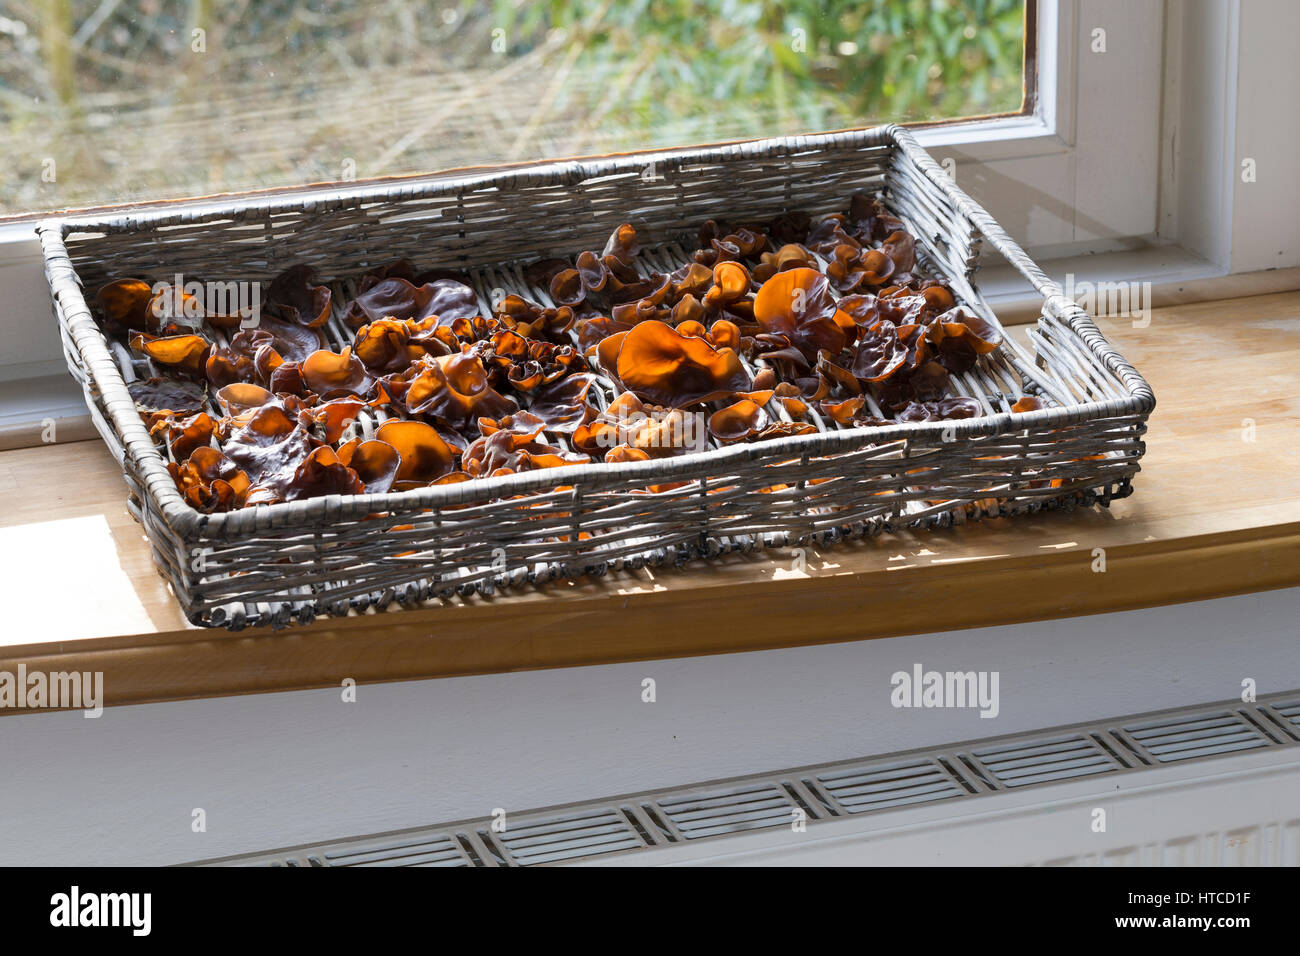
(625, 453)
(737, 422)
(663, 367)
(322, 473)
(879, 353)
(900, 246)
(424, 456)
(690, 327)
(209, 481)
(562, 405)
(292, 297)
(607, 351)
(938, 298)
(843, 412)
(539, 273)
(448, 299)
(184, 435)
(961, 324)
(523, 423)
(126, 303)
(622, 244)
(383, 346)
(396, 298)
(332, 419)
(294, 342)
(567, 288)
(184, 353)
(336, 374)
(724, 334)
(154, 396)
(240, 397)
(457, 390)
(798, 304)
(688, 309)
(591, 271)
(730, 284)
(694, 279)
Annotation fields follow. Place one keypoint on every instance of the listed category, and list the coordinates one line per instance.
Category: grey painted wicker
(290, 562)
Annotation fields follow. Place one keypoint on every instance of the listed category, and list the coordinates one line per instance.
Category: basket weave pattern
(292, 561)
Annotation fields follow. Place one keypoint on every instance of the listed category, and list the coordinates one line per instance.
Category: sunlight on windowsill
(83, 556)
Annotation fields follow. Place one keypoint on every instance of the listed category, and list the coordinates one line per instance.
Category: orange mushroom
(322, 473)
(209, 481)
(336, 374)
(183, 435)
(798, 305)
(183, 353)
(739, 421)
(126, 303)
(375, 462)
(424, 455)
(455, 389)
(665, 368)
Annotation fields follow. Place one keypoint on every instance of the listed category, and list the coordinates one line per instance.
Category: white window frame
(1125, 169)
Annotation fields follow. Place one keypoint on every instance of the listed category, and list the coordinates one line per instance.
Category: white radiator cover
(1240, 810)
(305, 769)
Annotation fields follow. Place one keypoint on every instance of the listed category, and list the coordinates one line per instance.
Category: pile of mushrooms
(766, 329)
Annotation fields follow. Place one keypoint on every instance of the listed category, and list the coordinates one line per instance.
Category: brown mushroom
(187, 354)
(798, 305)
(375, 462)
(209, 481)
(665, 368)
(322, 473)
(879, 353)
(455, 389)
(126, 303)
(424, 455)
(396, 298)
(738, 421)
(562, 405)
(183, 435)
(292, 297)
(156, 397)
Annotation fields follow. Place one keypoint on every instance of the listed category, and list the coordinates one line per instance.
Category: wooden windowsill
(1213, 514)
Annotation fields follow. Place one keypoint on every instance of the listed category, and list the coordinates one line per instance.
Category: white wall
(282, 769)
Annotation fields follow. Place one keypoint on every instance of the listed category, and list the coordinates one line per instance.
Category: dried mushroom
(764, 330)
(663, 367)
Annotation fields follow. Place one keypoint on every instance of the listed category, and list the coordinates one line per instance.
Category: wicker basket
(293, 561)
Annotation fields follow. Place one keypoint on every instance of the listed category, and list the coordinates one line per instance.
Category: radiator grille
(806, 795)
(560, 838)
(862, 789)
(440, 851)
(1198, 736)
(1046, 761)
(716, 812)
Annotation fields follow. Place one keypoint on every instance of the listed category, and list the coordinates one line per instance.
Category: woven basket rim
(544, 172)
(189, 522)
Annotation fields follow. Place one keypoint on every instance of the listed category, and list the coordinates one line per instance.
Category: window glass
(112, 101)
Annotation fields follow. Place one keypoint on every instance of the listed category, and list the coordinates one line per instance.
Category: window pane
(106, 102)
